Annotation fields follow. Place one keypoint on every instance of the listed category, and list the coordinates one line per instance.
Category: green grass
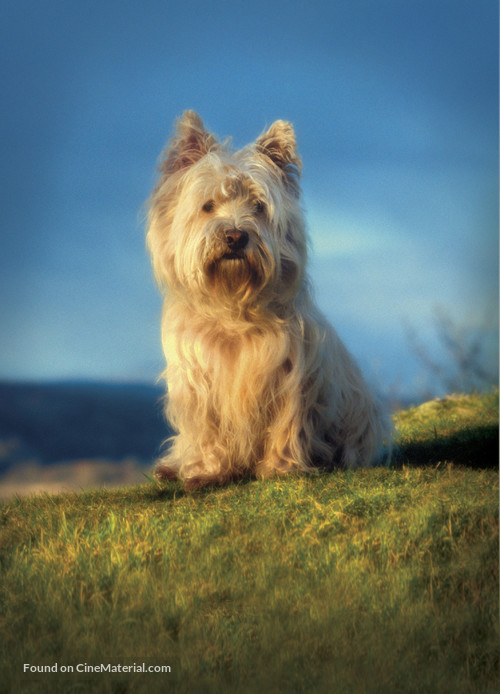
(459, 429)
(382, 580)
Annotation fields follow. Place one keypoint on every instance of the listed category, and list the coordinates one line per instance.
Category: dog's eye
(208, 206)
(260, 207)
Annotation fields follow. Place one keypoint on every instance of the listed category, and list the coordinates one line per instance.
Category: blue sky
(395, 109)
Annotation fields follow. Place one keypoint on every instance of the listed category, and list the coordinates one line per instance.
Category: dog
(258, 382)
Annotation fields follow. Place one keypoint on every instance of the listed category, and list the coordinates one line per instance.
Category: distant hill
(61, 422)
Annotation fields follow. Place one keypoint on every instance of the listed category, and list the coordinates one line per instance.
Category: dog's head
(226, 226)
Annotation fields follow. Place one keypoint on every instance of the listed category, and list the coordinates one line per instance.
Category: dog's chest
(246, 365)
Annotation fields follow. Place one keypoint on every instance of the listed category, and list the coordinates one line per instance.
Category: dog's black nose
(236, 239)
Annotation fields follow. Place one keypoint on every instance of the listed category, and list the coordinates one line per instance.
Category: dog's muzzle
(236, 239)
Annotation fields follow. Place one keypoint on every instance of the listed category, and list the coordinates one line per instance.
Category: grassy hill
(381, 580)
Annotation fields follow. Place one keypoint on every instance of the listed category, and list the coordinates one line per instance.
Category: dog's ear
(190, 142)
(279, 145)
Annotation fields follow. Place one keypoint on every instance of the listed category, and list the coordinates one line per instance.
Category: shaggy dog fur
(257, 381)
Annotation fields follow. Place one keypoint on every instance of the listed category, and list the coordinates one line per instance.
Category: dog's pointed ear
(190, 142)
(279, 145)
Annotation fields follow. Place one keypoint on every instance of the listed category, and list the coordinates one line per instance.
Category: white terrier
(257, 381)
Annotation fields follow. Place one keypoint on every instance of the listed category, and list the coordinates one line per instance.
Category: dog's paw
(201, 481)
(164, 472)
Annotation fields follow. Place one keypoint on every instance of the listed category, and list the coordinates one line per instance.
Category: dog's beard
(234, 273)
(239, 274)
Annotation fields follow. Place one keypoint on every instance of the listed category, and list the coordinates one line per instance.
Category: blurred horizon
(395, 107)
